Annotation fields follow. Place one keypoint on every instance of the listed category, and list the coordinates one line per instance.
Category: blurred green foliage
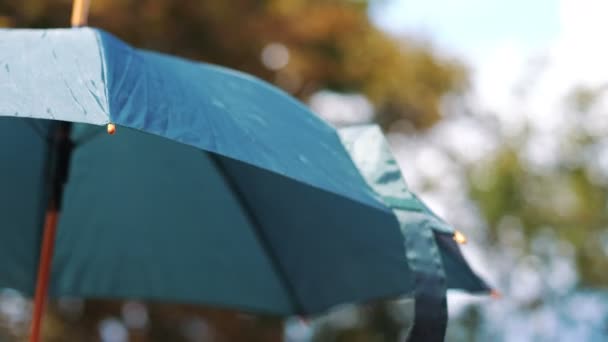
(567, 196)
(543, 195)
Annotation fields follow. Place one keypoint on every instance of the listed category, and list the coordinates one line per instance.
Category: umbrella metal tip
(111, 128)
(459, 237)
(495, 294)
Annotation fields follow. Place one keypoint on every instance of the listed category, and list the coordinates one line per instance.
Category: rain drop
(218, 103)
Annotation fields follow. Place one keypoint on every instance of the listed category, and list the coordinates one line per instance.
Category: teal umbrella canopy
(371, 152)
(217, 188)
(432, 253)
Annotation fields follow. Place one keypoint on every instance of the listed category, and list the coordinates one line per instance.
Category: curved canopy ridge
(86, 75)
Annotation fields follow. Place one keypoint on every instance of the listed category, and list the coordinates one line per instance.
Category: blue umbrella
(432, 251)
(216, 187)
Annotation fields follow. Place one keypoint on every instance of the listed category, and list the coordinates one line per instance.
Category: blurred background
(496, 111)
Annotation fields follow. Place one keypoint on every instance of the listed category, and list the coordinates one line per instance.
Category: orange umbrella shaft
(44, 271)
(80, 12)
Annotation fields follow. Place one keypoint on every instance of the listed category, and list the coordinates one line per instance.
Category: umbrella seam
(278, 269)
(104, 70)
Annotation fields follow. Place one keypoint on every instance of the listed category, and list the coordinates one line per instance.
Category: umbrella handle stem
(44, 270)
(80, 12)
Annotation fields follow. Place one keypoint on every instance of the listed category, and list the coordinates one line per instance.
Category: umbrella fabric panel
(370, 150)
(372, 155)
(87, 75)
(459, 273)
(332, 250)
(183, 236)
(367, 146)
(228, 113)
(23, 199)
(52, 74)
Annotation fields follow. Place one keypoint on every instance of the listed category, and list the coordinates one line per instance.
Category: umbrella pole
(80, 13)
(44, 268)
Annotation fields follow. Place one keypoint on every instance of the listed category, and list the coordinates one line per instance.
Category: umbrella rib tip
(495, 294)
(111, 128)
(459, 237)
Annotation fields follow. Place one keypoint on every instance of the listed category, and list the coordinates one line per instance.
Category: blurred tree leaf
(563, 198)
